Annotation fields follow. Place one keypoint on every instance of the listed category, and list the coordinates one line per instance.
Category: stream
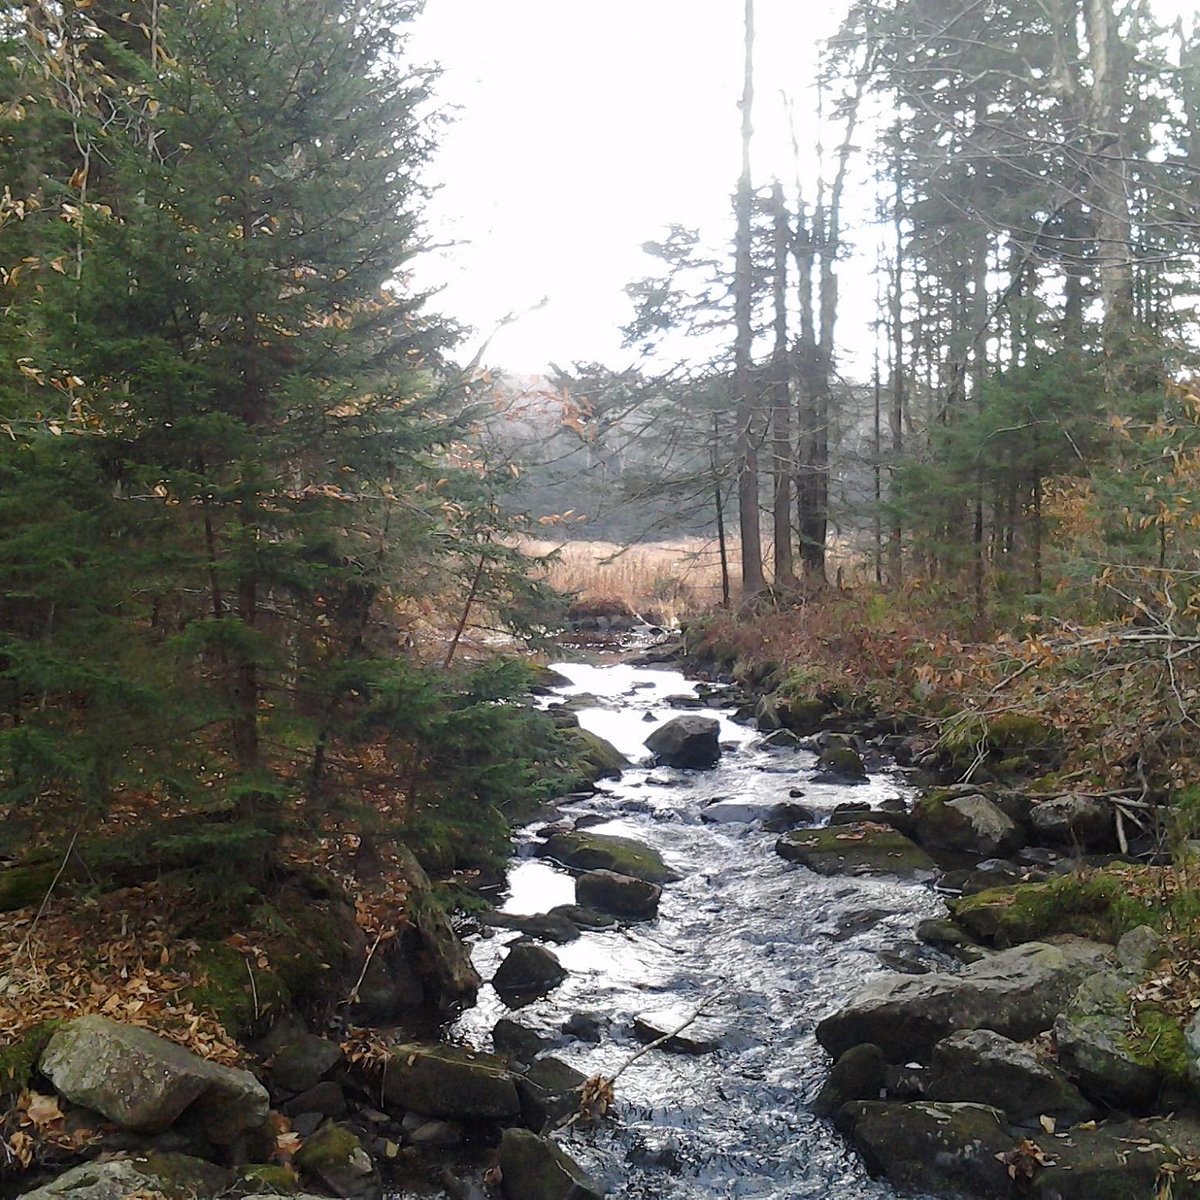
(766, 946)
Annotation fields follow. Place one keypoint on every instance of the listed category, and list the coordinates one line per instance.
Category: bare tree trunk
(719, 503)
(743, 382)
(1109, 189)
(896, 409)
(781, 400)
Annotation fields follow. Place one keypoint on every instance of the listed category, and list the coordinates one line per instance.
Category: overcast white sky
(584, 128)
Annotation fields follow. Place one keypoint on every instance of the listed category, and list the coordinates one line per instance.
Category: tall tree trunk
(1109, 189)
(896, 408)
(743, 375)
(781, 400)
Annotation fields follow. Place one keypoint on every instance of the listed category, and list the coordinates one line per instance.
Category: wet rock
(585, 1027)
(971, 823)
(621, 895)
(519, 1042)
(1118, 1160)
(950, 938)
(449, 1081)
(907, 960)
(948, 1149)
(550, 1090)
(842, 763)
(528, 971)
(302, 1064)
(1076, 821)
(326, 1098)
(389, 987)
(1094, 1049)
(173, 1176)
(857, 1075)
(549, 927)
(534, 1168)
(547, 677)
(785, 816)
(992, 872)
(605, 852)
(688, 742)
(582, 917)
(907, 1082)
(685, 702)
(598, 759)
(781, 739)
(730, 812)
(144, 1083)
(336, 1157)
(700, 1037)
(988, 1068)
(851, 924)
(436, 1135)
(1015, 992)
(866, 849)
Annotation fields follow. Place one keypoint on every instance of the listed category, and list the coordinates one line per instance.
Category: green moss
(18, 1060)
(22, 887)
(1157, 1040)
(1019, 739)
(330, 1147)
(245, 998)
(267, 1177)
(1097, 906)
(854, 850)
(605, 852)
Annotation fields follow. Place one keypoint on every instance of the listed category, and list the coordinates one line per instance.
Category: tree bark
(781, 401)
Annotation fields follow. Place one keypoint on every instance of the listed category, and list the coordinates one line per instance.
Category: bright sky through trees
(582, 131)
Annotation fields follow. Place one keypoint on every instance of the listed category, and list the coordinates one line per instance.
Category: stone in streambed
(144, 1083)
(547, 927)
(863, 849)
(588, 851)
(550, 1090)
(786, 815)
(171, 1176)
(700, 1037)
(621, 895)
(583, 917)
(534, 1168)
(335, 1156)
(597, 758)
(859, 1074)
(516, 1041)
(1016, 992)
(688, 742)
(528, 971)
(842, 763)
(449, 1081)
(988, 1068)
(947, 1149)
(303, 1063)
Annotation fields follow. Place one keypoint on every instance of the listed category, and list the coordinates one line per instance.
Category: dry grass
(666, 579)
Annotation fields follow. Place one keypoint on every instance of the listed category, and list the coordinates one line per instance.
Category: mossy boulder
(1098, 906)
(605, 852)
(528, 970)
(267, 1179)
(969, 823)
(596, 758)
(534, 1168)
(688, 742)
(621, 895)
(859, 1074)
(170, 1176)
(336, 1157)
(19, 1058)
(247, 999)
(23, 887)
(947, 1149)
(842, 762)
(859, 849)
(450, 1081)
(1003, 736)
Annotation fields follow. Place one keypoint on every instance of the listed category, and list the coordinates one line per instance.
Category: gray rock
(781, 739)
(864, 849)
(144, 1083)
(950, 938)
(302, 1064)
(585, 1027)
(700, 1037)
(1092, 1035)
(326, 1098)
(534, 1168)
(1140, 949)
(548, 927)
(1076, 821)
(730, 812)
(550, 1091)
(1016, 992)
(969, 823)
(588, 851)
(449, 1081)
(174, 1176)
(948, 1149)
(583, 917)
(337, 1157)
(857, 1075)
(785, 815)
(436, 1135)
(688, 742)
(618, 894)
(528, 970)
(988, 1068)
(519, 1042)
(842, 762)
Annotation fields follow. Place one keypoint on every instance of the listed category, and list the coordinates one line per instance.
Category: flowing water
(767, 947)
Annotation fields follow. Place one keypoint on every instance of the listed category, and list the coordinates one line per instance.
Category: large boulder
(868, 848)
(171, 1176)
(534, 1168)
(302, 1064)
(969, 823)
(1075, 820)
(988, 1068)
(449, 1081)
(527, 971)
(1016, 992)
(947, 1149)
(596, 758)
(687, 742)
(144, 1083)
(841, 762)
(860, 1074)
(621, 895)
(588, 851)
(1095, 1047)
(550, 1092)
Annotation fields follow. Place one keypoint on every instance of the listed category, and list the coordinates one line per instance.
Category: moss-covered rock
(246, 998)
(842, 762)
(19, 1058)
(862, 849)
(170, 1176)
(267, 1179)
(450, 1081)
(336, 1157)
(588, 851)
(1000, 738)
(596, 758)
(1098, 906)
(970, 823)
(23, 887)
